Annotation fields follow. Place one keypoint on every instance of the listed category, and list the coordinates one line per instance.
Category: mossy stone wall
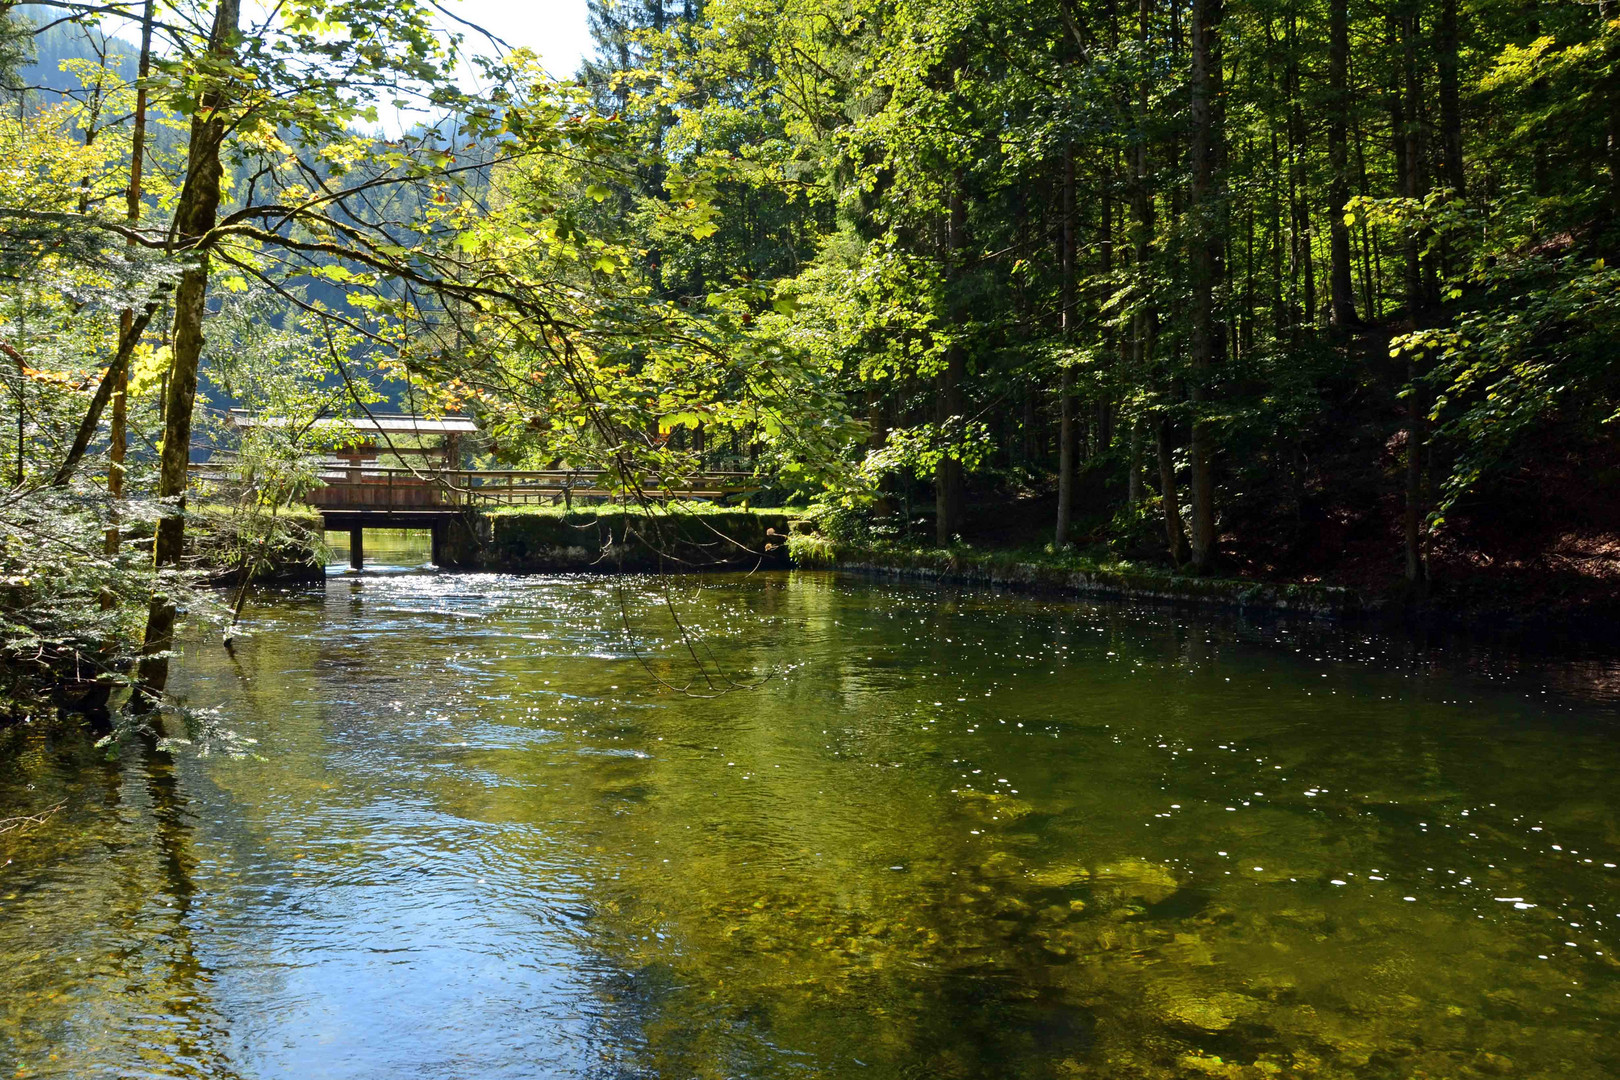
(611, 541)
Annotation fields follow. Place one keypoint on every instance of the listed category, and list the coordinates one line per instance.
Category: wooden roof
(390, 423)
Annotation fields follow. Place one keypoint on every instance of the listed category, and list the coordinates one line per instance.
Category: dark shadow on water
(1184, 903)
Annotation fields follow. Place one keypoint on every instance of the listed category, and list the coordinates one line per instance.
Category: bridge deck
(355, 497)
(360, 491)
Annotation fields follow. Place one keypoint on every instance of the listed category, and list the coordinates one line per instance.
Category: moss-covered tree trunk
(195, 217)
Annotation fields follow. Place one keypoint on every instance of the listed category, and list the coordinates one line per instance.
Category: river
(882, 831)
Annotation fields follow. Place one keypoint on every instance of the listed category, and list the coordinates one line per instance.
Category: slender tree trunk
(1416, 296)
(1341, 290)
(1144, 321)
(115, 384)
(1028, 429)
(117, 375)
(1245, 337)
(1282, 320)
(1175, 533)
(195, 215)
(1611, 128)
(1133, 483)
(1304, 261)
(1369, 279)
(1110, 343)
(118, 437)
(1451, 145)
(948, 478)
(1451, 149)
(1068, 439)
(1205, 266)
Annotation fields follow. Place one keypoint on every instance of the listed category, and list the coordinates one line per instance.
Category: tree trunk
(1611, 126)
(948, 478)
(1175, 534)
(118, 437)
(1029, 429)
(1207, 344)
(195, 216)
(1111, 344)
(1341, 291)
(1451, 149)
(117, 377)
(1068, 441)
(1303, 260)
(1416, 295)
(1143, 322)
(1133, 483)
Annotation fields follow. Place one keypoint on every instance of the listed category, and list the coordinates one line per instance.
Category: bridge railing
(364, 487)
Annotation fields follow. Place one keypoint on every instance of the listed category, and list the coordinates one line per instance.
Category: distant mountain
(68, 41)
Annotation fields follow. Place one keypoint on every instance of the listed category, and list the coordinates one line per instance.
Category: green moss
(620, 538)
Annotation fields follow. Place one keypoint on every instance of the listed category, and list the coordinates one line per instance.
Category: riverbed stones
(1059, 876)
(989, 806)
(1137, 880)
(1210, 1011)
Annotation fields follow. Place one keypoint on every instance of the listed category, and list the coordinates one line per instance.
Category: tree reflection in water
(968, 835)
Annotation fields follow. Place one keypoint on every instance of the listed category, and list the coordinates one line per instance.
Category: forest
(1276, 290)
(1153, 473)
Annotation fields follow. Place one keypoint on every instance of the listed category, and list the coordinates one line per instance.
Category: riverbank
(1078, 575)
(1467, 605)
(287, 548)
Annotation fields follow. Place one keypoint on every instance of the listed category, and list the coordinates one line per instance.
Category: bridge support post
(437, 533)
(357, 548)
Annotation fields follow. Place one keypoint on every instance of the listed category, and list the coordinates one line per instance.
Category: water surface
(950, 834)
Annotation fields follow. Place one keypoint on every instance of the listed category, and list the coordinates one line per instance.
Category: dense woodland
(1298, 289)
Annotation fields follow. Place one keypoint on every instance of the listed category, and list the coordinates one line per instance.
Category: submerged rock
(1061, 876)
(1138, 880)
(1211, 1012)
(1208, 1065)
(992, 806)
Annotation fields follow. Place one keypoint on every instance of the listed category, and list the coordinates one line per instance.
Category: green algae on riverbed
(963, 835)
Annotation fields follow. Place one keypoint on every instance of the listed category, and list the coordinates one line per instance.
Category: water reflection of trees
(98, 931)
(843, 909)
(785, 880)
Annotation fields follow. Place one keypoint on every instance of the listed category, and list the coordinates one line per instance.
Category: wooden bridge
(357, 492)
(358, 496)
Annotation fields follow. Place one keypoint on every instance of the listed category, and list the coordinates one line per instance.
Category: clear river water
(885, 831)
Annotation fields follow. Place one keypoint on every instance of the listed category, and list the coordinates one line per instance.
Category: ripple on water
(964, 834)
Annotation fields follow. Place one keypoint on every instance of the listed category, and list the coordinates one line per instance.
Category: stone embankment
(1006, 570)
(613, 540)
